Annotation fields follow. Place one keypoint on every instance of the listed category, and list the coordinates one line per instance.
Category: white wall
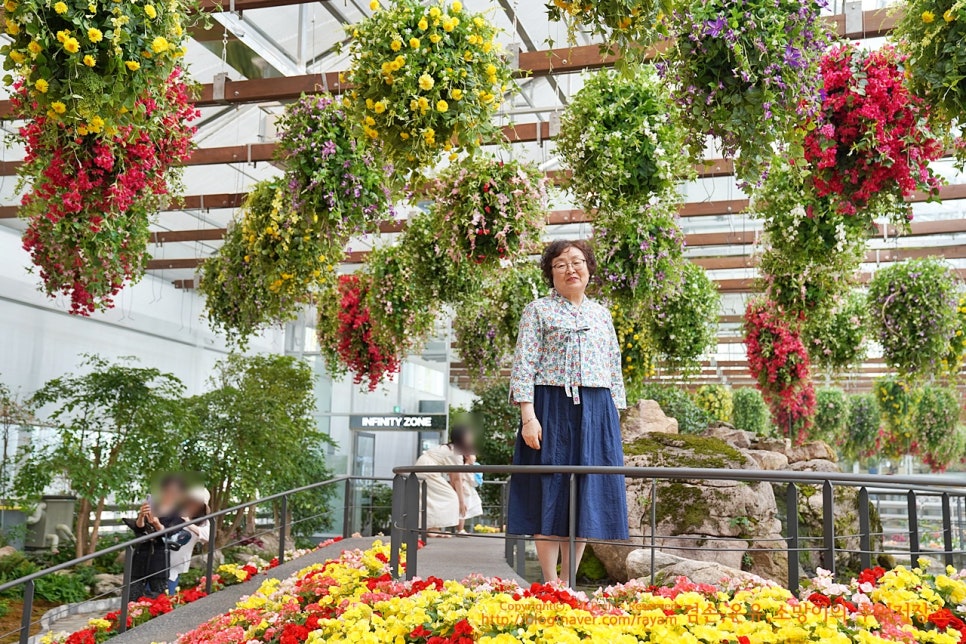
(161, 325)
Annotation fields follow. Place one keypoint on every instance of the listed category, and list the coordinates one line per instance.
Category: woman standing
(445, 502)
(567, 381)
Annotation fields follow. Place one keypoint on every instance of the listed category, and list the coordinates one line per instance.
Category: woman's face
(570, 274)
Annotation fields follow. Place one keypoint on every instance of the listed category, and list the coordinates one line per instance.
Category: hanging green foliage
(837, 340)
(831, 415)
(716, 401)
(684, 323)
(749, 411)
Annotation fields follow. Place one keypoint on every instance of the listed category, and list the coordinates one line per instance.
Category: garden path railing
(409, 517)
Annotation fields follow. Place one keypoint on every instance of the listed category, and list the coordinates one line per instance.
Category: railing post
(791, 518)
(423, 514)
(572, 533)
(947, 530)
(653, 528)
(28, 609)
(347, 510)
(913, 528)
(411, 513)
(210, 563)
(126, 588)
(504, 504)
(396, 526)
(283, 523)
(828, 525)
(865, 529)
(508, 550)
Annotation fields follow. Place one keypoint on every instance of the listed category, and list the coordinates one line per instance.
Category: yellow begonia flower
(96, 124)
(457, 6)
(133, 65)
(12, 28)
(160, 44)
(928, 16)
(456, 94)
(62, 35)
(374, 5)
(395, 45)
(10, 5)
(434, 12)
(95, 35)
(379, 107)
(60, 7)
(491, 70)
(422, 103)
(150, 11)
(72, 45)
(370, 121)
(423, 24)
(435, 38)
(441, 105)
(41, 86)
(414, 43)
(89, 60)
(448, 25)
(426, 82)
(949, 16)
(58, 107)
(17, 57)
(35, 47)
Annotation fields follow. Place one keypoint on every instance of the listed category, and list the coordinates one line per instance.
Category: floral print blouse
(564, 345)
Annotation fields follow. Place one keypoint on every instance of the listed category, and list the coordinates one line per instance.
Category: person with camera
(150, 565)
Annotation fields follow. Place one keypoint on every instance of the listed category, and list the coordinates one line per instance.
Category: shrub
(66, 588)
(831, 415)
(934, 419)
(749, 411)
(716, 401)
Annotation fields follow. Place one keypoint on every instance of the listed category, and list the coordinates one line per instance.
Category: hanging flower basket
(779, 362)
(348, 337)
(638, 355)
(930, 37)
(434, 269)
(622, 139)
(486, 324)
(332, 175)
(684, 323)
(836, 340)
(631, 25)
(426, 80)
(638, 252)
(106, 109)
(871, 144)
(913, 314)
(746, 73)
(489, 210)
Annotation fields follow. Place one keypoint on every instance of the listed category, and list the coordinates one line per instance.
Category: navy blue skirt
(584, 434)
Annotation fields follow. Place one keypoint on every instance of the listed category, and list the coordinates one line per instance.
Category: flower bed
(354, 599)
(145, 609)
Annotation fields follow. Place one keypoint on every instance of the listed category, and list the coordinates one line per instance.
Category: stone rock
(734, 437)
(107, 585)
(668, 567)
(698, 514)
(646, 417)
(815, 465)
(768, 460)
(815, 450)
(779, 445)
(6, 551)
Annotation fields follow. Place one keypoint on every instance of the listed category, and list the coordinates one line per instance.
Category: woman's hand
(532, 433)
(154, 521)
(144, 515)
(462, 509)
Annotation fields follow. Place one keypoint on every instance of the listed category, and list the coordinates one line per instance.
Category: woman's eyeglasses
(577, 264)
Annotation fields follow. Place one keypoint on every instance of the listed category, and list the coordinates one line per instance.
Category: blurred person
(150, 564)
(474, 504)
(445, 503)
(182, 544)
(568, 383)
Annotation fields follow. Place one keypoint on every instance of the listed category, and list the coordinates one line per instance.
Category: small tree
(831, 416)
(117, 425)
(15, 415)
(749, 411)
(254, 434)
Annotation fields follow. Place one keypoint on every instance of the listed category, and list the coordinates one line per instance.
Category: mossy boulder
(727, 522)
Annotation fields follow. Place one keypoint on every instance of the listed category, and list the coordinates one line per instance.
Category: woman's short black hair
(557, 248)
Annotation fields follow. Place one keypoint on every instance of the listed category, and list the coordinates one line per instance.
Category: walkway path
(445, 558)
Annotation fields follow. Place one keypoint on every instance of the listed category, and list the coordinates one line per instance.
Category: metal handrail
(406, 506)
(128, 547)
